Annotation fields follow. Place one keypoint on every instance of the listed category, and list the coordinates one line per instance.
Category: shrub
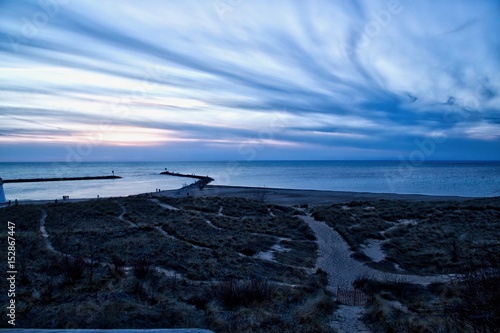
(72, 268)
(141, 267)
(118, 265)
(233, 293)
(314, 308)
(479, 296)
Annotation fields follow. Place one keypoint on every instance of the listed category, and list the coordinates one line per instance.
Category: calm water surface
(475, 179)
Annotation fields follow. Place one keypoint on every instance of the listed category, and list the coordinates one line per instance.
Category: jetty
(201, 183)
(177, 174)
(36, 180)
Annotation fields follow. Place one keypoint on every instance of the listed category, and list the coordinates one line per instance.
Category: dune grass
(420, 237)
(427, 238)
(130, 263)
(465, 304)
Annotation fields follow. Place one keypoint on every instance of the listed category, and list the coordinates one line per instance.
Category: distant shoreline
(291, 197)
(280, 196)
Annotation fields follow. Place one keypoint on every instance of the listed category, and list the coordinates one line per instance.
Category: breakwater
(37, 180)
(202, 180)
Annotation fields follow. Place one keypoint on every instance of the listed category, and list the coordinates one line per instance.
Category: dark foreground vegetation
(229, 265)
(239, 265)
(468, 302)
(421, 237)
(462, 238)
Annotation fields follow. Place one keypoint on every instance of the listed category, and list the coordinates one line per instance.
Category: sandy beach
(279, 196)
(290, 197)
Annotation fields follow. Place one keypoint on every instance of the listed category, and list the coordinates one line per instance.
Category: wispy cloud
(352, 79)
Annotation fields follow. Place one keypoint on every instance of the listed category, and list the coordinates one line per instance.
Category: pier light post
(2, 193)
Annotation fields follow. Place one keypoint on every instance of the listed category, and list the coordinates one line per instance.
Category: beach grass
(420, 237)
(222, 264)
(466, 303)
(458, 237)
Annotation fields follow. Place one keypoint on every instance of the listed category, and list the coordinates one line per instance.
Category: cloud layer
(249, 79)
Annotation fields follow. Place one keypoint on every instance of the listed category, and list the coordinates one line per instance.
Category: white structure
(2, 193)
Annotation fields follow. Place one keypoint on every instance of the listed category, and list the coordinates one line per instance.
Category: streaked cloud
(299, 80)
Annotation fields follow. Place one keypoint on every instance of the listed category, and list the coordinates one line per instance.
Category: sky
(123, 80)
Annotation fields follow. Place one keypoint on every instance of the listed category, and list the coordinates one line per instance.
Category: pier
(202, 180)
(36, 180)
(177, 174)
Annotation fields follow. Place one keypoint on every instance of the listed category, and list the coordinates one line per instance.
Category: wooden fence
(353, 297)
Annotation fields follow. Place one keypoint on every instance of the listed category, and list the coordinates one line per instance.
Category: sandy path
(210, 224)
(121, 218)
(346, 319)
(45, 235)
(50, 247)
(334, 257)
(164, 205)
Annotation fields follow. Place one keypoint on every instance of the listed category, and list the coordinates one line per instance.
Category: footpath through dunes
(334, 254)
(185, 226)
(336, 259)
(215, 263)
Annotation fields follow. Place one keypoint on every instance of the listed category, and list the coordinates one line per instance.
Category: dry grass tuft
(233, 293)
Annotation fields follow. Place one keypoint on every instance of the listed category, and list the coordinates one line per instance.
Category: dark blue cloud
(345, 74)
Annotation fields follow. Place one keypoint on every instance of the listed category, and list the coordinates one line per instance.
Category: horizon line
(246, 161)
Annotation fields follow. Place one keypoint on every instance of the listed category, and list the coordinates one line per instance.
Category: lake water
(474, 179)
